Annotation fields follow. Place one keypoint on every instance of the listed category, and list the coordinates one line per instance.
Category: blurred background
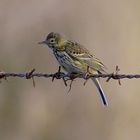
(110, 29)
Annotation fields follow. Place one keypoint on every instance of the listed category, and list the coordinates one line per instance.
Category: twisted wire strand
(60, 75)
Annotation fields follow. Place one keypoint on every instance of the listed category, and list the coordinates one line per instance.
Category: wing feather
(80, 53)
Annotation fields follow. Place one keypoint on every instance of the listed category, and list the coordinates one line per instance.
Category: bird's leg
(57, 75)
(86, 75)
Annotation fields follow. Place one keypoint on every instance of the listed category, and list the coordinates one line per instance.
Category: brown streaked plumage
(74, 57)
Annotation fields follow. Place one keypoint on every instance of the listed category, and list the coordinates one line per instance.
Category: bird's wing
(81, 54)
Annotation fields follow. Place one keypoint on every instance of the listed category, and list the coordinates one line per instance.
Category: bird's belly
(67, 62)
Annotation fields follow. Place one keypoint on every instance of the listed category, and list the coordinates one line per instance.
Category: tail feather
(100, 90)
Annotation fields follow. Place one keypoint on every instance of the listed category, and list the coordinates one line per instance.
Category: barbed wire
(68, 76)
(63, 75)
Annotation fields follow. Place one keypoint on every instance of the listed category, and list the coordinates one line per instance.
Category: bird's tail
(100, 90)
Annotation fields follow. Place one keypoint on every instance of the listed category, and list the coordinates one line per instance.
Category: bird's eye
(52, 40)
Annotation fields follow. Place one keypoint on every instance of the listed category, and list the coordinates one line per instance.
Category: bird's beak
(43, 42)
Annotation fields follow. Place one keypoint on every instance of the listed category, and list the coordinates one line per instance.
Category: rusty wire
(60, 75)
(67, 76)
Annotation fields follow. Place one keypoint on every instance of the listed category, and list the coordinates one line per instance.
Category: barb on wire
(116, 72)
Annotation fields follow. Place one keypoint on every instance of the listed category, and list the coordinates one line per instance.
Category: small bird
(75, 58)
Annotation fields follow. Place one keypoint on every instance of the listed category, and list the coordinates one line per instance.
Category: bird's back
(79, 53)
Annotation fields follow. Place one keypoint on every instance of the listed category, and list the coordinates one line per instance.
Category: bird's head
(54, 41)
